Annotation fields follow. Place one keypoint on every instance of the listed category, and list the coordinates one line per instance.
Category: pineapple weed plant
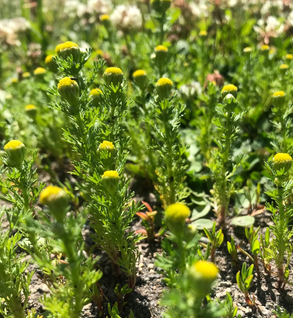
(92, 120)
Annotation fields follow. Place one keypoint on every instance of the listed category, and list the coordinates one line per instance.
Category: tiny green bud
(15, 151)
(175, 216)
(56, 199)
(164, 87)
(110, 180)
(189, 233)
(229, 98)
(113, 75)
(69, 90)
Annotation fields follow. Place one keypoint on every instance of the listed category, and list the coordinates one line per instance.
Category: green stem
(162, 33)
(281, 240)
(169, 161)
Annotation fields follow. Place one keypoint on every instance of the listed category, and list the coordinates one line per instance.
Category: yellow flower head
(139, 73)
(66, 82)
(284, 66)
(164, 82)
(51, 64)
(282, 157)
(104, 17)
(69, 90)
(99, 53)
(161, 48)
(279, 94)
(95, 92)
(203, 33)
(30, 107)
(49, 59)
(265, 48)
(289, 56)
(13, 144)
(49, 194)
(279, 98)
(207, 270)
(15, 151)
(164, 86)
(107, 145)
(31, 111)
(247, 50)
(66, 45)
(39, 71)
(26, 74)
(229, 89)
(282, 161)
(111, 174)
(113, 70)
(272, 50)
(177, 212)
(113, 75)
(14, 80)
(67, 49)
(56, 199)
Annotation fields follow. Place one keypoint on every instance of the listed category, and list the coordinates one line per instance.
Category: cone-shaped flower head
(31, 111)
(110, 180)
(56, 199)
(66, 49)
(247, 50)
(203, 274)
(164, 87)
(265, 48)
(26, 74)
(15, 151)
(279, 98)
(69, 90)
(203, 33)
(107, 145)
(140, 78)
(113, 75)
(39, 71)
(95, 96)
(51, 64)
(175, 216)
(105, 19)
(229, 89)
(282, 160)
(161, 55)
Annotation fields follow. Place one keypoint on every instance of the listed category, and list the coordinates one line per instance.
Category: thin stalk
(281, 241)
(169, 161)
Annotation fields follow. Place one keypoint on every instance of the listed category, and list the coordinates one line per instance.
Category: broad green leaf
(243, 221)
